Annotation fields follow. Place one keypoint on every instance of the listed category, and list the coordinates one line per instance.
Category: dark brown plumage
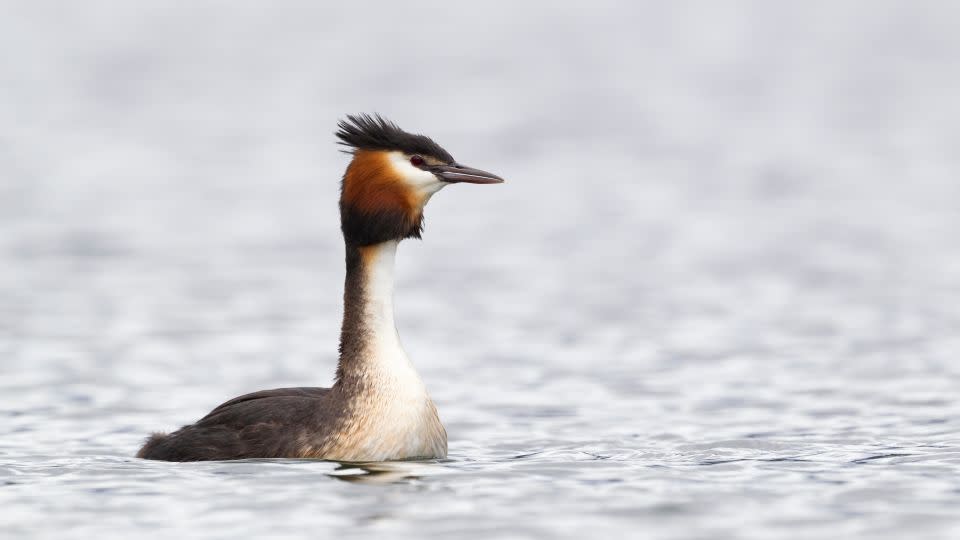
(269, 423)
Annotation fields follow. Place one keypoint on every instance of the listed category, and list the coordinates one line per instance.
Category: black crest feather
(373, 132)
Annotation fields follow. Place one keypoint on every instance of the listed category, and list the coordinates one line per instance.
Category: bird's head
(390, 179)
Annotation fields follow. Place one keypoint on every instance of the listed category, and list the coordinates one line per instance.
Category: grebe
(378, 408)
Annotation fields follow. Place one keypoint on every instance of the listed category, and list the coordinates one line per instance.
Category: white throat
(386, 358)
(378, 293)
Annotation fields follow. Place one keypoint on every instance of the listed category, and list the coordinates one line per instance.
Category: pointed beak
(458, 173)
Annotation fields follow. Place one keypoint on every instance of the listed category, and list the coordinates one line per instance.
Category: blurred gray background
(718, 294)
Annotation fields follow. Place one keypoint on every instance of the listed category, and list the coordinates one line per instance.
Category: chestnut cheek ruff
(376, 205)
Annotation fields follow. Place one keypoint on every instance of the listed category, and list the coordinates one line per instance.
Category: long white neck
(378, 293)
(369, 341)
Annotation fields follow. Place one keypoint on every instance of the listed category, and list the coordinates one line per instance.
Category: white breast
(400, 418)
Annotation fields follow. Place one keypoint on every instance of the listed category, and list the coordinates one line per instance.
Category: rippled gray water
(719, 296)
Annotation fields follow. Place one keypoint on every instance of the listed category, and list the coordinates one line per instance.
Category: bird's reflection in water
(383, 472)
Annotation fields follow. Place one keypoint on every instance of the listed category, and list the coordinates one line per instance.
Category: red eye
(416, 161)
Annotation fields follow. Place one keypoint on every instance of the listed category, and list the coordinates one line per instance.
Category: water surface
(717, 297)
